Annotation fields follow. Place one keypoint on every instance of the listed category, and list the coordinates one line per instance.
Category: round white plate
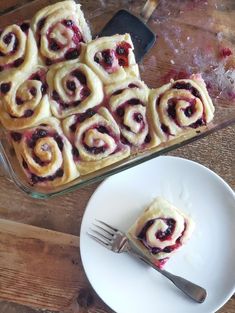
(208, 259)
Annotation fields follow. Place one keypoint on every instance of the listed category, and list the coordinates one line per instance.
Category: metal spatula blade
(125, 22)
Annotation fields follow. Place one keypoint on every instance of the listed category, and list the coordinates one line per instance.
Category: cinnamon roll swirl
(95, 137)
(128, 102)
(24, 101)
(18, 50)
(74, 88)
(180, 106)
(112, 58)
(60, 30)
(45, 154)
(160, 231)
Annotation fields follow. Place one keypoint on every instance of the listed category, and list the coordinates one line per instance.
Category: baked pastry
(95, 137)
(180, 106)
(112, 58)
(60, 30)
(128, 103)
(160, 231)
(74, 88)
(18, 50)
(24, 101)
(45, 154)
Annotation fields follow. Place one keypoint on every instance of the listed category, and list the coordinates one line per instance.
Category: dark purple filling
(189, 111)
(76, 103)
(16, 136)
(5, 87)
(75, 152)
(187, 86)
(171, 109)
(134, 101)
(138, 117)
(7, 38)
(198, 123)
(25, 27)
(18, 62)
(95, 150)
(54, 45)
(73, 128)
(132, 86)
(120, 111)
(28, 113)
(48, 61)
(41, 23)
(68, 23)
(33, 91)
(80, 76)
(147, 139)
(102, 129)
(96, 59)
(85, 92)
(107, 57)
(55, 96)
(38, 160)
(39, 133)
(165, 129)
(1, 68)
(19, 101)
(82, 117)
(44, 88)
(72, 54)
(37, 179)
(24, 164)
(59, 141)
(71, 85)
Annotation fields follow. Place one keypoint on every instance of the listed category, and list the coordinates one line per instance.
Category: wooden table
(40, 266)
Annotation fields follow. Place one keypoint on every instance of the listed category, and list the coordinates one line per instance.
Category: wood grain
(40, 265)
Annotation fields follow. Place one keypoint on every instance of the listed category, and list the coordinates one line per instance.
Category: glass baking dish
(192, 37)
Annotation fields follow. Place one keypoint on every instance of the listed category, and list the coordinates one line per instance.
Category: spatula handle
(148, 9)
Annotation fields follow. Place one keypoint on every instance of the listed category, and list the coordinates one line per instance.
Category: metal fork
(116, 241)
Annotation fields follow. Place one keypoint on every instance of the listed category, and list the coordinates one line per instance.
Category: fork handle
(192, 290)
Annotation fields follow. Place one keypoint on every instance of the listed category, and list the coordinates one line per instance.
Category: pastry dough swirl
(24, 101)
(128, 102)
(74, 88)
(96, 140)
(180, 105)
(18, 50)
(60, 30)
(112, 58)
(45, 154)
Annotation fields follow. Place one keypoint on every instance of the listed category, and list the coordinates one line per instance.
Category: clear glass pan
(192, 37)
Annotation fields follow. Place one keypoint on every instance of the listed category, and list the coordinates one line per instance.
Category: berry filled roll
(160, 231)
(128, 103)
(180, 106)
(24, 100)
(45, 154)
(95, 137)
(18, 50)
(112, 58)
(74, 88)
(61, 31)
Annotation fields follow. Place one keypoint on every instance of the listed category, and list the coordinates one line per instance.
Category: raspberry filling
(161, 235)
(70, 41)
(188, 111)
(110, 59)
(71, 86)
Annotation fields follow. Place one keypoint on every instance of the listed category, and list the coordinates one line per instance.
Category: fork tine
(103, 229)
(101, 235)
(103, 243)
(108, 226)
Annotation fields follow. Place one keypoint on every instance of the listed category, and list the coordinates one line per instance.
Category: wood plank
(38, 267)
(11, 4)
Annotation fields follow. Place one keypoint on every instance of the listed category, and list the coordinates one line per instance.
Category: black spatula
(124, 22)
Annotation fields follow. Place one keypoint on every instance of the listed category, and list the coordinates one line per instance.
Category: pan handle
(148, 9)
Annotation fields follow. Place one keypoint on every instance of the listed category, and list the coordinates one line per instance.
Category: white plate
(208, 259)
